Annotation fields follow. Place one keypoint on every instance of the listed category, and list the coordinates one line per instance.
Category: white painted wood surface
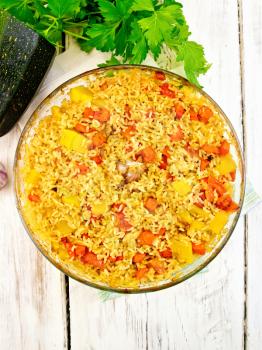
(252, 69)
(209, 311)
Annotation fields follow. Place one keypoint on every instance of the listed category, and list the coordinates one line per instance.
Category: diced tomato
(129, 149)
(163, 165)
(34, 198)
(204, 114)
(193, 115)
(178, 136)
(199, 249)
(122, 223)
(160, 76)
(81, 128)
(216, 185)
(165, 91)
(157, 266)
(128, 110)
(80, 250)
(85, 235)
(83, 168)
(179, 110)
(146, 237)
(88, 112)
(97, 159)
(115, 259)
(226, 203)
(148, 154)
(111, 259)
(99, 139)
(202, 195)
(211, 149)
(151, 204)
(102, 115)
(166, 151)
(90, 258)
(138, 257)
(162, 231)
(119, 258)
(203, 164)
(167, 253)
(140, 273)
(70, 250)
(233, 175)
(224, 148)
(64, 240)
(129, 132)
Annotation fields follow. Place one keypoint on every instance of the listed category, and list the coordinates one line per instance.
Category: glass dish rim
(142, 289)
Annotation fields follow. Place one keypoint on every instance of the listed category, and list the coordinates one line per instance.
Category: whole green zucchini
(25, 58)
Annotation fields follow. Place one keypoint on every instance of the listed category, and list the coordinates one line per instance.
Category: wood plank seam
(244, 137)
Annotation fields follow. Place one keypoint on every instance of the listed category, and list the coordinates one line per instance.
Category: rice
(130, 179)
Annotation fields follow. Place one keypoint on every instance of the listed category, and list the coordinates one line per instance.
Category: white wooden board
(207, 311)
(252, 68)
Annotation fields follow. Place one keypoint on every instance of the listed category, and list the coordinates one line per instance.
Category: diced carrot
(129, 131)
(90, 258)
(211, 149)
(167, 253)
(102, 115)
(178, 136)
(204, 114)
(151, 204)
(111, 259)
(209, 194)
(140, 273)
(69, 249)
(88, 112)
(160, 75)
(129, 149)
(233, 206)
(233, 175)
(162, 231)
(97, 159)
(146, 237)
(138, 257)
(193, 152)
(203, 164)
(148, 154)
(85, 235)
(202, 195)
(119, 258)
(199, 205)
(80, 250)
(157, 266)
(150, 113)
(179, 110)
(193, 115)
(104, 86)
(128, 110)
(170, 177)
(83, 168)
(199, 249)
(216, 185)
(118, 207)
(81, 128)
(34, 198)
(99, 139)
(224, 148)
(122, 223)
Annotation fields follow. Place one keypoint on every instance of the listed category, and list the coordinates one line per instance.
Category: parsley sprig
(129, 29)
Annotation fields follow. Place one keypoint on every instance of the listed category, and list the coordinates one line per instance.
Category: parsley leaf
(140, 48)
(145, 5)
(113, 61)
(63, 8)
(102, 36)
(192, 54)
